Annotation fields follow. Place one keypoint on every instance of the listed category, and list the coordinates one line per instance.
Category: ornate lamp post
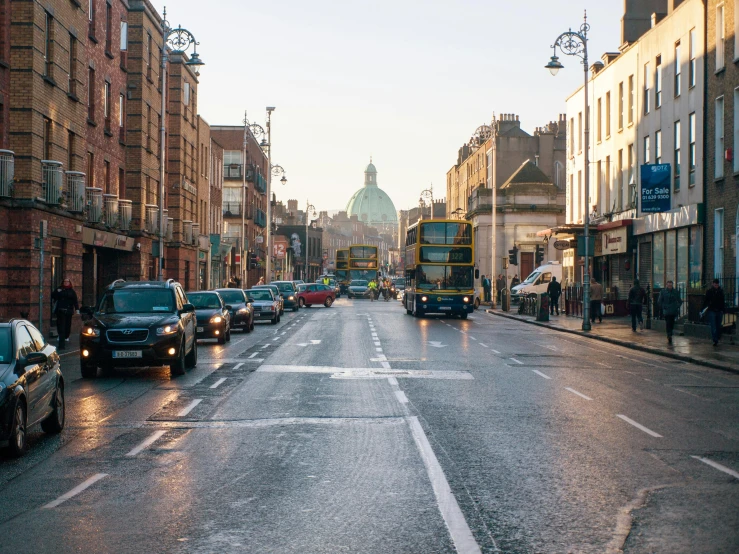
(430, 193)
(309, 209)
(575, 43)
(178, 41)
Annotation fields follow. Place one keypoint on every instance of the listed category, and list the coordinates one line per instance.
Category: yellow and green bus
(342, 269)
(363, 262)
(440, 268)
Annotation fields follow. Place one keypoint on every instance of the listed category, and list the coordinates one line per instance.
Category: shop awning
(615, 224)
(569, 229)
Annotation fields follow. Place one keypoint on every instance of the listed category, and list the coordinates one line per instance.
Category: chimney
(637, 18)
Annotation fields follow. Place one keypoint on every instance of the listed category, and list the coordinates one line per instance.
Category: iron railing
(52, 176)
(7, 172)
(195, 233)
(232, 209)
(187, 231)
(94, 202)
(75, 191)
(151, 223)
(110, 210)
(169, 231)
(125, 214)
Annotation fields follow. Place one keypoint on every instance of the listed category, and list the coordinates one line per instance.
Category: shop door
(527, 264)
(645, 263)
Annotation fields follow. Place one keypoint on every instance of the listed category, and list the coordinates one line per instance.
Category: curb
(642, 348)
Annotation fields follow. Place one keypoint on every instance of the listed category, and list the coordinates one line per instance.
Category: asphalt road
(359, 428)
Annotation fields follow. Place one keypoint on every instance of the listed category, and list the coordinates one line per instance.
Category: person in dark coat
(66, 304)
(515, 281)
(637, 297)
(669, 302)
(486, 287)
(554, 290)
(499, 286)
(713, 305)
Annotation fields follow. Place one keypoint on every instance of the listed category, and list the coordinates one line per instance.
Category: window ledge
(108, 133)
(49, 80)
(91, 122)
(73, 97)
(92, 38)
(630, 125)
(720, 70)
(4, 64)
(77, 3)
(718, 180)
(109, 54)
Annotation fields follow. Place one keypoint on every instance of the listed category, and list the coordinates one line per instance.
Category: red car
(315, 293)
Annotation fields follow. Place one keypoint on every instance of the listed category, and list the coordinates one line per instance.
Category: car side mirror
(34, 358)
(229, 307)
(187, 309)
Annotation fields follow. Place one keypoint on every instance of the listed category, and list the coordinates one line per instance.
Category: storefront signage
(614, 241)
(280, 248)
(105, 239)
(655, 188)
(562, 244)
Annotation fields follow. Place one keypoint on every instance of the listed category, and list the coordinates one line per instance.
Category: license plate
(127, 354)
(200, 330)
(446, 308)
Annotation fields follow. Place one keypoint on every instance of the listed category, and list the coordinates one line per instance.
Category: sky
(406, 82)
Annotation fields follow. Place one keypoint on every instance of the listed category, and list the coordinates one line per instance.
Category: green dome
(371, 204)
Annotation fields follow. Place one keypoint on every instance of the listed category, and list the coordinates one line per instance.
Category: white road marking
(237, 366)
(581, 395)
(282, 333)
(265, 346)
(604, 365)
(639, 426)
(496, 351)
(717, 466)
(473, 338)
(254, 355)
(448, 506)
(218, 383)
(436, 344)
(368, 372)
(385, 365)
(236, 341)
(540, 373)
(377, 343)
(402, 398)
(145, 444)
(374, 335)
(485, 345)
(378, 349)
(75, 491)
(393, 381)
(187, 409)
(517, 361)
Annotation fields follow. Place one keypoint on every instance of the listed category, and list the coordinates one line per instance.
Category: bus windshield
(365, 252)
(443, 277)
(442, 232)
(366, 274)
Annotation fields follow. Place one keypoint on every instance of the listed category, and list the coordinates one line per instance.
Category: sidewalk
(617, 330)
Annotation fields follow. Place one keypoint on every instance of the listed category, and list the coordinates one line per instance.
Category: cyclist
(372, 287)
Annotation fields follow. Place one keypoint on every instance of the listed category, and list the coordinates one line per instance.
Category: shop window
(670, 255)
(658, 260)
(696, 256)
(718, 242)
(683, 262)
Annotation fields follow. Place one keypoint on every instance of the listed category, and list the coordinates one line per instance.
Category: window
(148, 55)
(122, 117)
(599, 184)
(608, 114)
(676, 160)
(24, 341)
(720, 37)
(691, 150)
(658, 83)
(578, 199)
(124, 35)
(677, 69)
(646, 150)
(106, 176)
(571, 193)
(600, 120)
(579, 132)
(658, 147)
(719, 139)
(691, 66)
(91, 16)
(632, 173)
(48, 51)
(121, 183)
(631, 99)
(72, 88)
(658, 260)
(607, 176)
(148, 127)
(718, 242)
(91, 95)
(620, 105)
(108, 28)
(620, 181)
(106, 105)
(186, 98)
(572, 136)
(47, 138)
(646, 88)
(90, 169)
(70, 150)
(736, 125)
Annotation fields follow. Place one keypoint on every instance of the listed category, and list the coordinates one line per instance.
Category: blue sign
(656, 188)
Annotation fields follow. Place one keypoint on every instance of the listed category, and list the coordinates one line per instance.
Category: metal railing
(52, 176)
(125, 214)
(151, 223)
(187, 231)
(480, 199)
(527, 306)
(75, 191)
(169, 230)
(232, 171)
(260, 218)
(110, 210)
(195, 233)
(7, 172)
(231, 208)
(94, 203)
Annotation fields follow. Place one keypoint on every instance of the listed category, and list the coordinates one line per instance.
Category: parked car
(288, 290)
(31, 385)
(276, 293)
(538, 281)
(398, 286)
(316, 294)
(141, 323)
(357, 289)
(213, 315)
(264, 303)
(242, 315)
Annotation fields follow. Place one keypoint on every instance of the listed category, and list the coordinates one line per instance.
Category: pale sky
(404, 81)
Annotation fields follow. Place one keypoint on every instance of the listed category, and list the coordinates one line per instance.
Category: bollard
(542, 307)
(505, 300)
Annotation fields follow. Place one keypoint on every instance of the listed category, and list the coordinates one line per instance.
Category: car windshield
(137, 301)
(286, 287)
(263, 294)
(399, 282)
(444, 277)
(531, 278)
(358, 284)
(302, 287)
(202, 300)
(5, 346)
(233, 296)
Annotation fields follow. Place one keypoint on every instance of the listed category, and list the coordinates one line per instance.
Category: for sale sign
(656, 188)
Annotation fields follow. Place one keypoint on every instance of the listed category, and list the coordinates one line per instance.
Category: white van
(539, 280)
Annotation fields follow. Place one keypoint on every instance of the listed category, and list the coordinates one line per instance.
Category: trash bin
(505, 300)
(542, 307)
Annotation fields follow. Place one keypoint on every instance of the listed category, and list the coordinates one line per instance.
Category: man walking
(669, 302)
(554, 290)
(500, 284)
(596, 299)
(637, 296)
(713, 304)
(66, 305)
(486, 286)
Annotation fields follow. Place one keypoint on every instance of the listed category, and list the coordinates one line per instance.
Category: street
(359, 428)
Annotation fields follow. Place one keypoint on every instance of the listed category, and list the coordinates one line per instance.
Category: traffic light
(513, 256)
(252, 260)
(539, 256)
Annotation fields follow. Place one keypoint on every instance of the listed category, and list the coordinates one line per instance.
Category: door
(31, 375)
(311, 296)
(48, 384)
(527, 264)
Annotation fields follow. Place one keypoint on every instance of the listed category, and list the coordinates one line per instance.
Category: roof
(370, 203)
(528, 173)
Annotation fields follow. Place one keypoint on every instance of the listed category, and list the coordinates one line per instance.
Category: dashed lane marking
(517, 361)
(237, 366)
(717, 466)
(368, 372)
(189, 408)
(581, 395)
(541, 374)
(218, 383)
(151, 439)
(402, 398)
(639, 426)
(75, 491)
(253, 355)
(484, 345)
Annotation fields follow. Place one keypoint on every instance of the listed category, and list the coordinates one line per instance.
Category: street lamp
(430, 193)
(178, 41)
(574, 43)
(310, 208)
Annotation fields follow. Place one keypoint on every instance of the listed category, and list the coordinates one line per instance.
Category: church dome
(371, 204)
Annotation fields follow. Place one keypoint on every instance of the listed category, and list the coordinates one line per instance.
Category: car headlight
(91, 331)
(466, 299)
(243, 310)
(424, 298)
(216, 319)
(291, 298)
(167, 330)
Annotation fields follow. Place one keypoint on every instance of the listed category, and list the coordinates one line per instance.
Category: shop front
(613, 264)
(105, 259)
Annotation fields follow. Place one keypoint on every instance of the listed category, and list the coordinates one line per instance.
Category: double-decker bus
(439, 268)
(363, 262)
(342, 269)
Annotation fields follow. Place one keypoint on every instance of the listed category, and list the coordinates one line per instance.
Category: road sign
(562, 245)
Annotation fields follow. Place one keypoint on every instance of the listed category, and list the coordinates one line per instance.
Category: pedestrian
(669, 302)
(65, 305)
(713, 306)
(554, 290)
(515, 281)
(637, 297)
(371, 288)
(500, 284)
(596, 299)
(486, 286)
(232, 283)
(261, 281)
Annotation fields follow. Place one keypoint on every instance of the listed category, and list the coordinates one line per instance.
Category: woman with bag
(66, 306)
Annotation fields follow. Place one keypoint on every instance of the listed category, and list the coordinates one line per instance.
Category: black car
(288, 291)
(31, 385)
(214, 318)
(265, 305)
(242, 315)
(140, 323)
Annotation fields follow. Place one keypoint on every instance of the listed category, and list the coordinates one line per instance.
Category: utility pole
(43, 231)
(494, 185)
(243, 203)
(268, 234)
